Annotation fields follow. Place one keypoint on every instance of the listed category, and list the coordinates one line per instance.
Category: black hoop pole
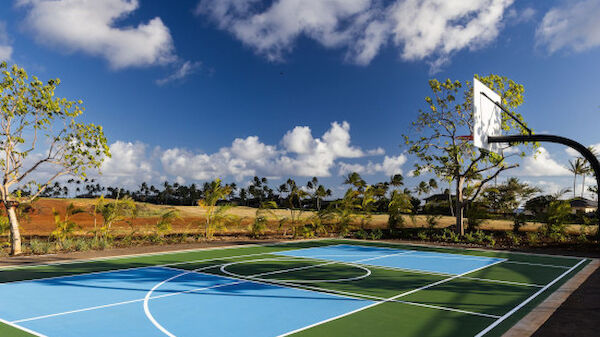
(587, 154)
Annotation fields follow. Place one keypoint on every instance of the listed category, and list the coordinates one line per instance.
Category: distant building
(582, 205)
(439, 199)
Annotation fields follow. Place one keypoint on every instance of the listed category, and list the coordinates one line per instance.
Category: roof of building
(582, 202)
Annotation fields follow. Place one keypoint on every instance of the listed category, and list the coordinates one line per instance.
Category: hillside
(41, 221)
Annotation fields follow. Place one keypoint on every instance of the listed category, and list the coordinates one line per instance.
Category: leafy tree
(400, 203)
(448, 116)
(509, 196)
(164, 225)
(345, 210)
(39, 130)
(65, 226)
(261, 218)
(113, 211)
(215, 215)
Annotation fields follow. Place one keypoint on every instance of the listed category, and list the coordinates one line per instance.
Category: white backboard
(487, 117)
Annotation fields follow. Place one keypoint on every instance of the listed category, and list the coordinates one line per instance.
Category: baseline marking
(538, 264)
(529, 299)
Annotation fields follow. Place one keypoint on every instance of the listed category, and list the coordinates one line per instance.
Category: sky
(192, 90)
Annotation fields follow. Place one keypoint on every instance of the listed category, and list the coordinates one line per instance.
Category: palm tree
(397, 180)
(214, 192)
(576, 167)
(320, 194)
(355, 180)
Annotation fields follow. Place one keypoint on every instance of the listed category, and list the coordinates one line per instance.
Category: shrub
(513, 239)
(423, 235)
(490, 240)
(100, 243)
(68, 245)
(558, 212)
(470, 237)
(479, 236)
(82, 244)
(533, 238)
(361, 234)
(39, 246)
(376, 234)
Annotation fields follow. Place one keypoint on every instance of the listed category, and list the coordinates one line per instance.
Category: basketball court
(310, 288)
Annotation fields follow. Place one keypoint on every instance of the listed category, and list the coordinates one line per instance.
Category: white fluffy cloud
(300, 154)
(130, 164)
(573, 25)
(420, 29)
(91, 26)
(542, 164)
(389, 166)
(6, 49)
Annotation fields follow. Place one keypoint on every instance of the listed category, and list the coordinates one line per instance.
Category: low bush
(82, 244)
(40, 246)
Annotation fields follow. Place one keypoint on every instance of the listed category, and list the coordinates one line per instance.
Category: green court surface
(359, 288)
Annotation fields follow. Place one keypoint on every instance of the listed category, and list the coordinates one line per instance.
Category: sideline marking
(539, 264)
(529, 299)
(390, 299)
(21, 328)
(484, 250)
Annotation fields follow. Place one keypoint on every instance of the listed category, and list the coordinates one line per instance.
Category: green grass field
(406, 302)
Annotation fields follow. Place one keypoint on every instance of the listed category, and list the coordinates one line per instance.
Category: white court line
(416, 271)
(539, 264)
(362, 296)
(420, 254)
(388, 299)
(22, 328)
(126, 302)
(148, 295)
(134, 268)
(529, 299)
(256, 276)
(484, 250)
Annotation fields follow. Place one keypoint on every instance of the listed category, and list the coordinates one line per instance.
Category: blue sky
(193, 90)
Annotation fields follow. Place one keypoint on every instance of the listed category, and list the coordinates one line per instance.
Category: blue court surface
(195, 304)
(451, 264)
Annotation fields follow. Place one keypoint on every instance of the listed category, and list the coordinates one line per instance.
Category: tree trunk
(574, 183)
(15, 235)
(450, 199)
(583, 185)
(460, 228)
